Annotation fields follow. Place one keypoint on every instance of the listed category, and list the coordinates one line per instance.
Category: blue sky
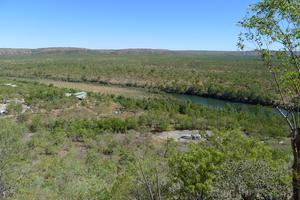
(116, 24)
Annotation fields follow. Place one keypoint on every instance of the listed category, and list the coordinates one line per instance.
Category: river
(223, 104)
(141, 93)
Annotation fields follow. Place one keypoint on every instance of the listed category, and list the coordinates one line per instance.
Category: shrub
(230, 166)
(14, 108)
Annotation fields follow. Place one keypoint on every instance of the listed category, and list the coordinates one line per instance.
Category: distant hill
(7, 52)
(54, 50)
(71, 50)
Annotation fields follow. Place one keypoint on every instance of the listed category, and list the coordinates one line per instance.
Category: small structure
(78, 95)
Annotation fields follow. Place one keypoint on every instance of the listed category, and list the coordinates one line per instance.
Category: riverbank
(139, 93)
(141, 110)
(130, 87)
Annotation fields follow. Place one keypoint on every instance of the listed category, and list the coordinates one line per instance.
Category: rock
(19, 101)
(196, 137)
(68, 94)
(191, 137)
(117, 112)
(3, 109)
(181, 135)
(209, 133)
(25, 108)
(186, 137)
(4, 105)
(10, 84)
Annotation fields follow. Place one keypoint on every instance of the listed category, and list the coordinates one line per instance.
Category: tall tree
(273, 26)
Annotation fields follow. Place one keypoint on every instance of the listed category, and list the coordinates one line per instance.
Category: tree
(251, 179)
(146, 174)
(273, 26)
(229, 166)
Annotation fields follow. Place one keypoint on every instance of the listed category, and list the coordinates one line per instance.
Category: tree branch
(286, 118)
(146, 182)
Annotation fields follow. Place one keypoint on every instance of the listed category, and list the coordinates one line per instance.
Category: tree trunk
(295, 142)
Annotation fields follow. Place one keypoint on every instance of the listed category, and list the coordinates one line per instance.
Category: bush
(35, 124)
(230, 166)
(14, 108)
(10, 147)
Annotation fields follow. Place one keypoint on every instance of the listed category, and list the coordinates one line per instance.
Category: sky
(119, 24)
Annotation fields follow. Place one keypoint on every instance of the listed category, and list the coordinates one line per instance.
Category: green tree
(146, 174)
(273, 26)
(251, 179)
(229, 166)
(194, 172)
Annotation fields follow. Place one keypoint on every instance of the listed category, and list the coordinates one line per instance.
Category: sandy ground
(89, 87)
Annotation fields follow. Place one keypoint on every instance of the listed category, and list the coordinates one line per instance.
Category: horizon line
(116, 49)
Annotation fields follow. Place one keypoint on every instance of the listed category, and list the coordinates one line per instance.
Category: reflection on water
(223, 104)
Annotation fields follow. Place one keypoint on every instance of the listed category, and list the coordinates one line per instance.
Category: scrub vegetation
(92, 124)
(105, 147)
(232, 76)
